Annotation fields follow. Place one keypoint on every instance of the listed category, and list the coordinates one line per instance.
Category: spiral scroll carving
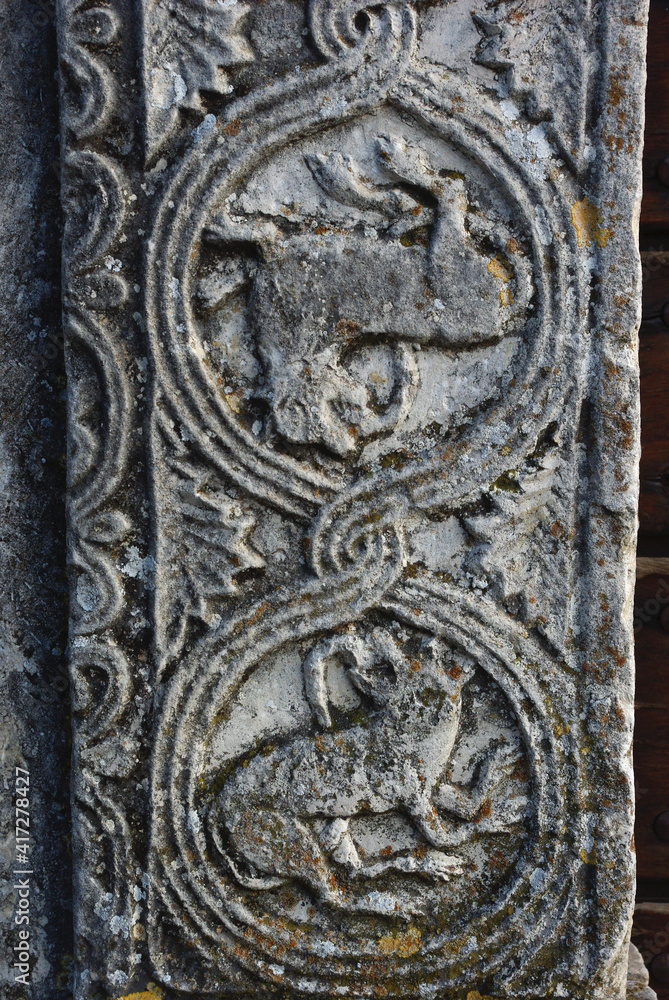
(338, 26)
(94, 195)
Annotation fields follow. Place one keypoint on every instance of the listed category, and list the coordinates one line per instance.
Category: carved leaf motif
(216, 539)
(191, 42)
(209, 540)
(522, 38)
(506, 550)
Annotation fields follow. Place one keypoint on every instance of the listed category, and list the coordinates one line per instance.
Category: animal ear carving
(349, 650)
(341, 177)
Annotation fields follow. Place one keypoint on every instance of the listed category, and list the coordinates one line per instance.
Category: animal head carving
(379, 668)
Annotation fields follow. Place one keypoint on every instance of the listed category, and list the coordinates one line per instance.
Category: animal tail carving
(252, 881)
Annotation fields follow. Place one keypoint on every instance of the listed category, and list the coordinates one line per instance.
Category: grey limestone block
(351, 297)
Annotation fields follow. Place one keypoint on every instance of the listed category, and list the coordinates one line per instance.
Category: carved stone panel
(351, 298)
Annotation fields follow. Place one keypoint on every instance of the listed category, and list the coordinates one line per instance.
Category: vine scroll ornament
(352, 679)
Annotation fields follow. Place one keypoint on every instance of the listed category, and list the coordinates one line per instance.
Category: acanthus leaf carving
(189, 44)
(507, 558)
(547, 60)
(208, 537)
(217, 539)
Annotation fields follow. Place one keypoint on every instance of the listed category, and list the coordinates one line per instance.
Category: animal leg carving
(336, 838)
(434, 864)
(430, 824)
(465, 803)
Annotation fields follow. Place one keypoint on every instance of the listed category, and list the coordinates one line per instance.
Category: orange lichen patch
(233, 127)
(404, 943)
(233, 400)
(500, 268)
(614, 142)
(560, 728)
(587, 220)
(484, 812)
(616, 89)
(256, 616)
(348, 327)
(152, 992)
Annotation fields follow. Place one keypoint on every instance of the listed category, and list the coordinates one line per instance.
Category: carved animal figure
(412, 273)
(287, 812)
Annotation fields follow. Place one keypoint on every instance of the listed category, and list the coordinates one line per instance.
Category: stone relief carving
(337, 509)
(416, 707)
(517, 38)
(186, 47)
(89, 90)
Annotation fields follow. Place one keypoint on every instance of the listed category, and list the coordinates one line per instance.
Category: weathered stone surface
(638, 978)
(351, 298)
(34, 698)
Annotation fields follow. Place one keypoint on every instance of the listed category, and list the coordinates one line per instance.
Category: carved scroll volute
(89, 87)
(340, 26)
